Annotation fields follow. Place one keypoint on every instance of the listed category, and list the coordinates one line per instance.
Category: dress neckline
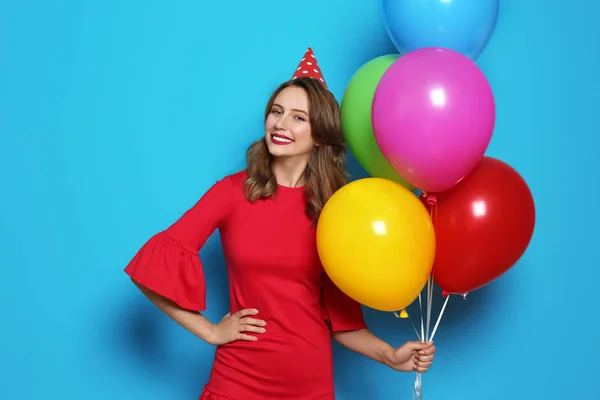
(289, 189)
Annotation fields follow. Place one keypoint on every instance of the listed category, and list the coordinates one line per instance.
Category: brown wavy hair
(326, 169)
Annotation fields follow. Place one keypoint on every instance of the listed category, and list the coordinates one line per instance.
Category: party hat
(309, 66)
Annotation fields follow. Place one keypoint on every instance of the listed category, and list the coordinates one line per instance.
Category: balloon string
(418, 389)
(421, 314)
(415, 328)
(417, 392)
(439, 318)
(429, 300)
(399, 315)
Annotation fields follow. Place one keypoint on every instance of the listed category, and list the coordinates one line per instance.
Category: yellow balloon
(376, 242)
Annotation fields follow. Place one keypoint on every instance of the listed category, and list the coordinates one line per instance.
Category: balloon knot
(403, 314)
(431, 198)
(464, 296)
(445, 294)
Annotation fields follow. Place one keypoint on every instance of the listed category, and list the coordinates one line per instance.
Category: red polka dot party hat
(309, 66)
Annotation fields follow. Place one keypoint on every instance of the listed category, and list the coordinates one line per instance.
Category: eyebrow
(293, 109)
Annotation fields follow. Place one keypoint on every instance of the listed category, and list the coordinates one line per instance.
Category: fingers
(252, 321)
(423, 360)
(421, 366)
(416, 346)
(250, 338)
(252, 328)
(427, 351)
(249, 324)
(246, 312)
(424, 363)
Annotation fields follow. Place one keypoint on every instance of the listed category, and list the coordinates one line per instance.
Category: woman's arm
(412, 356)
(194, 322)
(230, 328)
(364, 342)
(348, 327)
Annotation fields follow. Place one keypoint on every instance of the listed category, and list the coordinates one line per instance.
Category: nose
(280, 123)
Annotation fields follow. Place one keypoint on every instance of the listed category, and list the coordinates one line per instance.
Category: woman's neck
(290, 171)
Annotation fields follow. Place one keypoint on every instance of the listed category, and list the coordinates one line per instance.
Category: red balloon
(483, 226)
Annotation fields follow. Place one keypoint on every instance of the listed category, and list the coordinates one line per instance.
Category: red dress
(273, 266)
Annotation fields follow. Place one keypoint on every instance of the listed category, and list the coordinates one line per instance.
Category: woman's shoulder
(233, 183)
(238, 177)
(225, 190)
(235, 179)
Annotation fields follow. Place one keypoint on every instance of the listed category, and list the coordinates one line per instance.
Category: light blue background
(115, 116)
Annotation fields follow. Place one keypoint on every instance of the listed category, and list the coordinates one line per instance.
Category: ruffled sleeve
(169, 262)
(342, 312)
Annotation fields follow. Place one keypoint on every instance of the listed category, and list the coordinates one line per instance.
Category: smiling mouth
(280, 139)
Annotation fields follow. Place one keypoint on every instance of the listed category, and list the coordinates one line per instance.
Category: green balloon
(355, 113)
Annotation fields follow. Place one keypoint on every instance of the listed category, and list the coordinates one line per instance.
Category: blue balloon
(464, 26)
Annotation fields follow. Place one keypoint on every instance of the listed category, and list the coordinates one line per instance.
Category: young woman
(276, 341)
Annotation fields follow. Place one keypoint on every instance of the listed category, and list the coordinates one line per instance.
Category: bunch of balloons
(421, 121)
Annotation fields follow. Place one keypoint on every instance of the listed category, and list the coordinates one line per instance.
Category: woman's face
(287, 128)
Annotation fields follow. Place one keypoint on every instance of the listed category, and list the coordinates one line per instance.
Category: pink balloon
(433, 116)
